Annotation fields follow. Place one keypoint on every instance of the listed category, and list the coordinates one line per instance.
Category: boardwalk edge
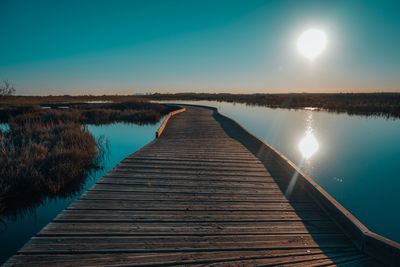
(372, 244)
(160, 130)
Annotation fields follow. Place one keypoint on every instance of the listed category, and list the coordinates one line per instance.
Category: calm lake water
(123, 139)
(356, 159)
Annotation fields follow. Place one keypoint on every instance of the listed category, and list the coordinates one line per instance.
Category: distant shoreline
(369, 104)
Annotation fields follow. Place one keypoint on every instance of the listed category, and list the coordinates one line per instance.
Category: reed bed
(46, 152)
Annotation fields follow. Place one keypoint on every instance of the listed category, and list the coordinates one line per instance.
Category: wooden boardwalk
(195, 196)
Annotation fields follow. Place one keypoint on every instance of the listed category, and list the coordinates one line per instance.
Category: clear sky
(79, 47)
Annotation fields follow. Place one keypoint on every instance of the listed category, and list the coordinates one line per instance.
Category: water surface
(356, 161)
(356, 158)
(123, 139)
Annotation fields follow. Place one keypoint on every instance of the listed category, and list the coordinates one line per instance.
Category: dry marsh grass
(42, 157)
(48, 152)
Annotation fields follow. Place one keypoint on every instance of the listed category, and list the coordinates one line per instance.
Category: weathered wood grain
(171, 258)
(194, 197)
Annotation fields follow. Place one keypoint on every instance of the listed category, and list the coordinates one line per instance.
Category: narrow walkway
(193, 197)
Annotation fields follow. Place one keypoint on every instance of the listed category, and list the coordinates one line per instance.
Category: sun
(312, 43)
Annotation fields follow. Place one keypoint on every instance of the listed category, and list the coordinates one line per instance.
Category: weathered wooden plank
(190, 184)
(189, 193)
(196, 196)
(186, 157)
(304, 260)
(188, 167)
(214, 172)
(239, 196)
(95, 244)
(147, 196)
(188, 216)
(154, 259)
(162, 205)
(194, 164)
(309, 260)
(268, 183)
(199, 177)
(218, 156)
(188, 189)
(186, 228)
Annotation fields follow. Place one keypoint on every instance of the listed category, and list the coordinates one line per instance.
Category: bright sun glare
(308, 145)
(311, 43)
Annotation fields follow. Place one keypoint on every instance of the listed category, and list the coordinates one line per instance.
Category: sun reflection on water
(308, 145)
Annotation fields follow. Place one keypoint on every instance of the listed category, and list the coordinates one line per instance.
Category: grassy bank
(49, 151)
(379, 104)
(40, 157)
(87, 113)
(12, 100)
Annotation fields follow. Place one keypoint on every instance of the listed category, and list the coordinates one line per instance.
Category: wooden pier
(206, 192)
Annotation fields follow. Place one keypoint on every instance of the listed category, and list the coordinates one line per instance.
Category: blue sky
(80, 47)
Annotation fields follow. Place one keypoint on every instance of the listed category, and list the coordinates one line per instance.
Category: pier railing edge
(372, 244)
(160, 129)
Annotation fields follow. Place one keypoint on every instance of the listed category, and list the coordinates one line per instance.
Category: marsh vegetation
(48, 150)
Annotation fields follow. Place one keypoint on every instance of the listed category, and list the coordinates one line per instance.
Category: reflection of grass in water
(18, 206)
